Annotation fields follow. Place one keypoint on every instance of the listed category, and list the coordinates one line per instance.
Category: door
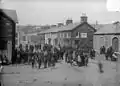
(115, 44)
(101, 41)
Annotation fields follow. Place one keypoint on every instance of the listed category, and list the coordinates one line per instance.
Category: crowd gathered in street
(49, 55)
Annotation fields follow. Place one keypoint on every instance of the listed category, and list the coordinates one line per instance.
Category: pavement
(62, 75)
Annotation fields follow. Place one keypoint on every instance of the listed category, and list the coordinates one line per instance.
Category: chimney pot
(83, 18)
(69, 21)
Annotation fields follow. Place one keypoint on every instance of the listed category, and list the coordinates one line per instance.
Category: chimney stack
(60, 24)
(53, 25)
(83, 18)
(69, 21)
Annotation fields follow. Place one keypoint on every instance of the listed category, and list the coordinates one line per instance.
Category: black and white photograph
(59, 42)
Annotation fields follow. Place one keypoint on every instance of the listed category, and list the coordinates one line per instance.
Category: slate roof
(62, 28)
(11, 14)
(98, 26)
(109, 29)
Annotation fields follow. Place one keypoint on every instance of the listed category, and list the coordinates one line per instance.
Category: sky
(42, 12)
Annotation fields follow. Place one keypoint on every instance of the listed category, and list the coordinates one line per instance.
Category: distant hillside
(31, 29)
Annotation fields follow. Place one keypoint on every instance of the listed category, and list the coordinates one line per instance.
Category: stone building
(108, 35)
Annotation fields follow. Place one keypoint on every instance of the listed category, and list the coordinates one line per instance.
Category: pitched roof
(62, 28)
(11, 14)
(98, 26)
(109, 28)
(69, 27)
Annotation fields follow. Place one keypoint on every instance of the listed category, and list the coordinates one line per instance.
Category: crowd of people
(79, 57)
(34, 55)
(49, 55)
(109, 53)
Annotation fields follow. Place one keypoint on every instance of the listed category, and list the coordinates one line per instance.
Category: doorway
(115, 44)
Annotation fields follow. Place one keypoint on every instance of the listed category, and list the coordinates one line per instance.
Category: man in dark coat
(33, 61)
(66, 56)
(107, 54)
(92, 54)
(45, 58)
(49, 58)
(104, 49)
(82, 58)
(86, 60)
(101, 50)
(40, 58)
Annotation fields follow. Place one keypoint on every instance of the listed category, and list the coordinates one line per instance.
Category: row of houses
(71, 34)
(81, 34)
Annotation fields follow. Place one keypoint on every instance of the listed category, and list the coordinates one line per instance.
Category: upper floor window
(83, 35)
(62, 35)
(77, 35)
(69, 35)
(65, 35)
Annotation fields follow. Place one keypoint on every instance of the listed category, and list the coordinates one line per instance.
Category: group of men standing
(79, 57)
(47, 56)
(109, 52)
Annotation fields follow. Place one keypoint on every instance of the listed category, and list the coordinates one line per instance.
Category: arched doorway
(101, 41)
(115, 44)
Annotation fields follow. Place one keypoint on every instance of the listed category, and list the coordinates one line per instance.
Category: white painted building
(21, 38)
(29, 37)
(51, 36)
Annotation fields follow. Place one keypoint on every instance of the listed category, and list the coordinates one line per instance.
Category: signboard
(83, 35)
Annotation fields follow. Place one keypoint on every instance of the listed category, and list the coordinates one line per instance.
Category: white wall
(53, 37)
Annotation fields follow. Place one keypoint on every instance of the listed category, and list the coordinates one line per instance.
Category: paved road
(62, 75)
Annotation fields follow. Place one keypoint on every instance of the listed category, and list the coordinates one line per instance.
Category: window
(24, 38)
(69, 35)
(65, 35)
(16, 35)
(83, 35)
(62, 35)
(76, 42)
(77, 35)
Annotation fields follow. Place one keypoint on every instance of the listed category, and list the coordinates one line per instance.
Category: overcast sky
(40, 12)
